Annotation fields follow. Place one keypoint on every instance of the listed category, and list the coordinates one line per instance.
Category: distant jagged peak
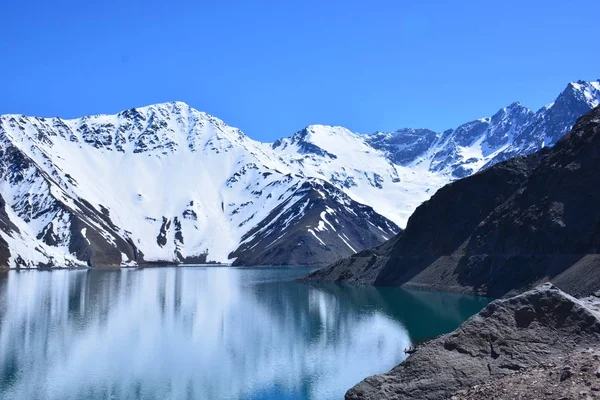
(312, 133)
(513, 110)
(583, 92)
(172, 107)
(517, 106)
(178, 110)
(583, 85)
(322, 140)
(588, 91)
(162, 128)
(401, 133)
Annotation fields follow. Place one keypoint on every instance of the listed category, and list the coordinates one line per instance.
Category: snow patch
(347, 244)
(318, 238)
(83, 233)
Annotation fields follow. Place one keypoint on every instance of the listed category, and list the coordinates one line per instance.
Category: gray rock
(565, 374)
(525, 331)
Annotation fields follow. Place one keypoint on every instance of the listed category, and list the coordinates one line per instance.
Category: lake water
(205, 333)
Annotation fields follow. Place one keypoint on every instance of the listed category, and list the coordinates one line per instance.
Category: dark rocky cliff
(5, 226)
(523, 221)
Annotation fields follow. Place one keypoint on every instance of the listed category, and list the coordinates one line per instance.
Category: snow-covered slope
(367, 175)
(167, 183)
(158, 183)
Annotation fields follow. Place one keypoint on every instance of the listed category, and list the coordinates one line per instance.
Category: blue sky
(273, 67)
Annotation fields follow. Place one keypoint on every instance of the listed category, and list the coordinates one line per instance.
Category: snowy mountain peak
(319, 129)
(513, 113)
(159, 129)
(318, 133)
(516, 106)
(332, 138)
(588, 92)
(320, 140)
(166, 182)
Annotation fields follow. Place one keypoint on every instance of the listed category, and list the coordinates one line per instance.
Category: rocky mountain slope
(331, 223)
(522, 221)
(539, 328)
(167, 183)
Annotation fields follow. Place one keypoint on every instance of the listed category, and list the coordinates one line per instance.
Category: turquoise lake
(206, 333)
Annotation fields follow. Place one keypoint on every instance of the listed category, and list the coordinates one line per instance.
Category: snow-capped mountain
(513, 130)
(167, 183)
(160, 183)
(347, 161)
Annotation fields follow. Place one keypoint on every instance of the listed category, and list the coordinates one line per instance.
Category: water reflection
(191, 333)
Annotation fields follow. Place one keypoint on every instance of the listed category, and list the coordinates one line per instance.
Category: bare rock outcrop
(509, 335)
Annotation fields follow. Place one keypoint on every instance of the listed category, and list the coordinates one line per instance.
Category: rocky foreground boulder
(539, 328)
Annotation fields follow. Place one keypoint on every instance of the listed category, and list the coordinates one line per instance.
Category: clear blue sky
(273, 67)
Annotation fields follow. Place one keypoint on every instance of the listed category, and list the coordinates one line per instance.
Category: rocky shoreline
(575, 376)
(542, 343)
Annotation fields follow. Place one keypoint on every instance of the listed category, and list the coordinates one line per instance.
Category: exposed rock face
(5, 226)
(550, 123)
(336, 225)
(520, 222)
(513, 130)
(508, 335)
(570, 377)
(405, 145)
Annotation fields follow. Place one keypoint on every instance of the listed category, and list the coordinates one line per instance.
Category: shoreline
(154, 265)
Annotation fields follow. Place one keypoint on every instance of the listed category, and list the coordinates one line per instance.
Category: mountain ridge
(520, 222)
(161, 184)
(168, 183)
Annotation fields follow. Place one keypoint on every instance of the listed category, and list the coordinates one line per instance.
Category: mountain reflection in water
(205, 333)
